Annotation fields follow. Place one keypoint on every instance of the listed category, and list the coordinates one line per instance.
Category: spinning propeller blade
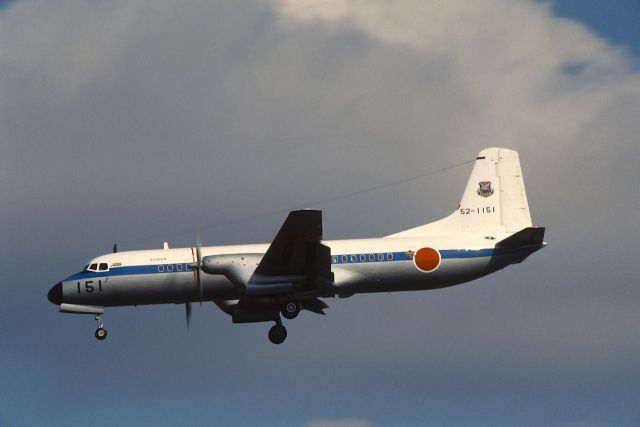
(198, 277)
(187, 306)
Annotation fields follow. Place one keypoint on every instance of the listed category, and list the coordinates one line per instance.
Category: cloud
(349, 84)
(509, 59)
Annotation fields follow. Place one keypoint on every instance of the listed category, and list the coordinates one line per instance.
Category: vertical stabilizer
(494, 201)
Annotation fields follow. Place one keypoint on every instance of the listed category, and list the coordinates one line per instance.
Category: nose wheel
(101, 332)
(278, 333)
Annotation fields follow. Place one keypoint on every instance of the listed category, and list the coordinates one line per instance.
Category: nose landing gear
(101, 332)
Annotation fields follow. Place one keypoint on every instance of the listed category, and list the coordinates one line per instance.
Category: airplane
(490, 229)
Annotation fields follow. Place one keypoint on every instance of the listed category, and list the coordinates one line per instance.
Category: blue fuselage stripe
(466, 253)
(335, 260)
(133, 270)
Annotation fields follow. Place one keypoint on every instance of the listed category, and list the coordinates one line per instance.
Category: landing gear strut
(277, 333)
(101, 332)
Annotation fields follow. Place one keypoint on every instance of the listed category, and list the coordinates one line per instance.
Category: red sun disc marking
(427, 259)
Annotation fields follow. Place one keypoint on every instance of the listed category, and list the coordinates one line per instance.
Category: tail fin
(494, 201)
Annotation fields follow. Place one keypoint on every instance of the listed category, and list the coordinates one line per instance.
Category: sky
(142, 121)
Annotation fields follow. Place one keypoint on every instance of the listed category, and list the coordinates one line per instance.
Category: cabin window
(372, 257)
(169, 267)
(161, 269)
(344, 258)
(354, 258)
(179, 267)
(334, 259)
(380, 257)
(103, 266)
(363, 258)
(389, 257)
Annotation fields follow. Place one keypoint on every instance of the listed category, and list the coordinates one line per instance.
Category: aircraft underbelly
(404, 276)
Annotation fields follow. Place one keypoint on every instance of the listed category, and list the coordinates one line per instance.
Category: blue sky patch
(618, 21)
(574, 68)
(6, 3)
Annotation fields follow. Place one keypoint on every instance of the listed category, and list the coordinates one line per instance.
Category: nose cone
(55, 294)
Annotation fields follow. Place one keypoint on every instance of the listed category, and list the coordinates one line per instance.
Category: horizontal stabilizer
(527, 237)
(520, 245)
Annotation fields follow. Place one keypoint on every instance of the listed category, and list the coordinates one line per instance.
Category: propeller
(188, 308)
(199, 268)
(197, 279)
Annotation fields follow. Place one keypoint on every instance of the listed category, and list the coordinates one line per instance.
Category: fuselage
(359, 266)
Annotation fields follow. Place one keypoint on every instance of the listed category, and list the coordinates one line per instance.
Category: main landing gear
(290, 310)
(278, 333)
(101, 332)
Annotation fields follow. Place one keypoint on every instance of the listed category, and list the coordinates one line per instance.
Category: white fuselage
(359, 266)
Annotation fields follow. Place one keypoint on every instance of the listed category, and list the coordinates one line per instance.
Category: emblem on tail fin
(485, 189)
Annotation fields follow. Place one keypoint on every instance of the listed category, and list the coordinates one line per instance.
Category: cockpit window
(103, 266)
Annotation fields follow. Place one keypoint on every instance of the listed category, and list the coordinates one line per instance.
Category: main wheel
(101, 333)
(277, 334)
(290, 310)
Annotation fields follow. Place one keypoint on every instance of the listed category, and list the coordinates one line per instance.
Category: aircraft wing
(296, 259)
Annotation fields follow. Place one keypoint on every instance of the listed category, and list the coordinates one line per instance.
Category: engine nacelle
(238, 268)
